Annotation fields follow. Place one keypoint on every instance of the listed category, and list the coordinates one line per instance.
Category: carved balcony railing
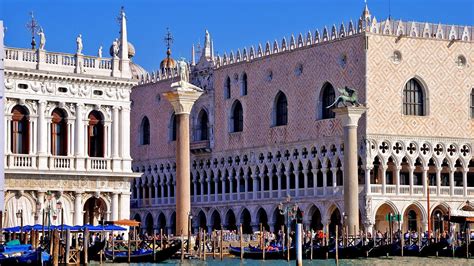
(200, 146)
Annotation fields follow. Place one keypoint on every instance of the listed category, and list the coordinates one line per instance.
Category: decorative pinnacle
(33, 27)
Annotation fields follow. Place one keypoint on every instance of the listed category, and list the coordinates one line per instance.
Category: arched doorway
(162, 222)
(216, 220)
(335, 220)
(202, 222)
(412, 218)
(263, 219)
(438, 224)
(95, 210)
(149, 224)
(230, 221)
(245, 220)
(173, 223)
(381, 223)
(316, 223)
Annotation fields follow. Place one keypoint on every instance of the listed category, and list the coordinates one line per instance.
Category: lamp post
(290, 211)
(19, 215)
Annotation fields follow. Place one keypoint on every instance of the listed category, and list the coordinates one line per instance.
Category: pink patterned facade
(240, 177)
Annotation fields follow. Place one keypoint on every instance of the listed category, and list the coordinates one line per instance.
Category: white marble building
(67, 134)
(2, 121)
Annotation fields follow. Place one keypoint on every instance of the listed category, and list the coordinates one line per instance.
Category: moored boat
(145, 255)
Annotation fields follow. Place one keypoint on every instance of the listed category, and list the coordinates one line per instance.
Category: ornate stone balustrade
(29, 162)
(59, 62)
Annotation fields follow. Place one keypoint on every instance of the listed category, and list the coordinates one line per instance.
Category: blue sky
(232, 24)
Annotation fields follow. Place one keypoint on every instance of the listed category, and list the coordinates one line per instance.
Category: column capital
(350, 115)
(182, 96)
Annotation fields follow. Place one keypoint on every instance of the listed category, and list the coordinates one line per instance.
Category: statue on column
(42, 39)
(183, 70)
(79, 44)
(348, 95)
(115, 48)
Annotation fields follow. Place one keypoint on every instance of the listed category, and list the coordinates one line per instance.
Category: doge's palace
(67, 117)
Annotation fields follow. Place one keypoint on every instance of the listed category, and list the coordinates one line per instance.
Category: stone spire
(124, 60)
(366, 13)
(207, 51)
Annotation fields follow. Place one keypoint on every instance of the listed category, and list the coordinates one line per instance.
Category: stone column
(438, 179)
(125, 137)
(124, 211)
(397, 178)
(262, 185)
(349, 117)
(115, 207)
(411, 169)
(115, 138)
(451, 180)
(305, 185)
(279, 184)
(315, 181)
(41, 194)
(324, 170)
(182, 97)
(368, 168)
(246, 188)
(384, 179)
(42, 136)
(255, 185)
(78, 219)
(464, 180)
(79, 138)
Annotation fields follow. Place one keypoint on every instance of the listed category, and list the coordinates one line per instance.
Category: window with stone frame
(414, 102)
(237, 117)
(227, 88)
(328, 95)
(202, 130)
(96, 134)
(244, 85)
(145, 131)
(20, 130)
(59, 133)
(173, 127)
(281, 110)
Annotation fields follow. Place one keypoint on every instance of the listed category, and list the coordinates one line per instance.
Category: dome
(168, 62)
(131, 50)
(137, 70)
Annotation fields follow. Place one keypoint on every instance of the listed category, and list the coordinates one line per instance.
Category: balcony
(200, 146)
(60, 163)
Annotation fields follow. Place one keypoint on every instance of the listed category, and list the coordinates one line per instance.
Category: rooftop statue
(99, 53)
(183, 70)
(348, 95)
(115, 48)
(79, 44)
(42, 39)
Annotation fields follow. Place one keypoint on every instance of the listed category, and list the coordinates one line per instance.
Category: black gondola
(93, 251)
(145, 255)
(433, 248)
(257, 253)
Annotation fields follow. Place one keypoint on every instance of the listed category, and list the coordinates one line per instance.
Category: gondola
(433, 248)
(145, 255)
(380, 250)
(319, 252)
(350, 252)
(257, 253)
(29, 257)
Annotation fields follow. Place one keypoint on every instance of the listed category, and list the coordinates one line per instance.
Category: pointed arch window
(237, 117)
(227, 88)
(328, 96)
(96, 134)
(20, 130)
(173, 128)
(202, 132)
(414, 99)
(59, 133)
(243, 91)
(472, 103)
(281, 110)
(145, 131)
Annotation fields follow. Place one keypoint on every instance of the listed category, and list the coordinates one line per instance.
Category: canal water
(400, 261)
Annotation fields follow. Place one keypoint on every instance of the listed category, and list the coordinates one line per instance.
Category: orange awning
(127, 222)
